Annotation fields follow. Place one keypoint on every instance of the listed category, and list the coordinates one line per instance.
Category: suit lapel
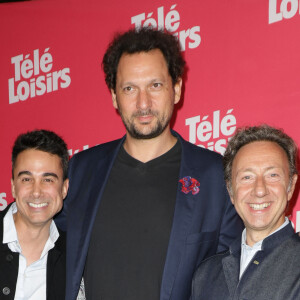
(82, 224)
(183, 213)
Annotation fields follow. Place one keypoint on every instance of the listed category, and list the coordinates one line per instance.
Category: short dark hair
(43, 140)
(247, 135)
(142, 40)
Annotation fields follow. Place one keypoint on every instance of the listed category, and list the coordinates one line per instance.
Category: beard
(161, 123)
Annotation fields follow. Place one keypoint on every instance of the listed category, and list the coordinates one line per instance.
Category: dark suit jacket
(56, 268)
(203, 224)
(273, 273)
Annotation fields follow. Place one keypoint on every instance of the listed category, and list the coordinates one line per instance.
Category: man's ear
(292, 186)
(114, 98)
(65, 188)
(177, 90)
(13, 190)
(229, 190)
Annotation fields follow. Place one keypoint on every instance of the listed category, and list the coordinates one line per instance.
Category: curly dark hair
(43, 140)
(247, 135)
(142, 40)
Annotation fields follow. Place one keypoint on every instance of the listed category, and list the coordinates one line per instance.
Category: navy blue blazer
(203, 224)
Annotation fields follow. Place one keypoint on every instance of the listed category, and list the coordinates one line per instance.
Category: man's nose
(36, 189)
(144, 100)
(260, 187)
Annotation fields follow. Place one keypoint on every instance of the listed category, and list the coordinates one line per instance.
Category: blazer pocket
(201, 237)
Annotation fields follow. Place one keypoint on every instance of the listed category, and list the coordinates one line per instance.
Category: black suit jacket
(56, 268)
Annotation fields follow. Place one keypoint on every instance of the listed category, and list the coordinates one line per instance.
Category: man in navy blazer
(142, 212)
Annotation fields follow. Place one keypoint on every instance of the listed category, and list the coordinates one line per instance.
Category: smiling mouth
(259, 206)
(37, 205)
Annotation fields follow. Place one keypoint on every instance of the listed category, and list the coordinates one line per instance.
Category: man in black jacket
(32, 252)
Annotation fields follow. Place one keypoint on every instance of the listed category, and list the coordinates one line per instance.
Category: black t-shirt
(131, 232)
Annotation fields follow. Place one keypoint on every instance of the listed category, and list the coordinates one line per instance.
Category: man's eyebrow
(245, 170)
(47, 174)
(158, 79)
(50, 174)
(24, 173)
(250, 169)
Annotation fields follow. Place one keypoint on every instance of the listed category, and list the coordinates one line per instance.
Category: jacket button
(6, 291)
(9, 257)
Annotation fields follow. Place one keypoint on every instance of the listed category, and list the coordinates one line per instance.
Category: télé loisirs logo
(33, 76)
(212, 131)
(169, 19)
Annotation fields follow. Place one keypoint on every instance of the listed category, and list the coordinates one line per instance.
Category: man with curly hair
(145, 210)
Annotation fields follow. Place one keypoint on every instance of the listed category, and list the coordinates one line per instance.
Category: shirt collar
(9, 228)
(53, 236)
(259, 243)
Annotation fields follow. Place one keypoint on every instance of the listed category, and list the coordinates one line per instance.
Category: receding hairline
(278, 146)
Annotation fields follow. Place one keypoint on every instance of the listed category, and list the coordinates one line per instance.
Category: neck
(32, 239)
(254, 236)
(145, 150)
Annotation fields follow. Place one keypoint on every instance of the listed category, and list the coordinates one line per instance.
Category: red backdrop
(242, 56)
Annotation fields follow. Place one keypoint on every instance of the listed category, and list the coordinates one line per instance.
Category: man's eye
(157, 84)
(274, 176)
(48, 180)
(246, 177)
(25, 179)
(128, 89)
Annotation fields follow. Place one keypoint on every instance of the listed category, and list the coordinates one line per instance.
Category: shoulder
(286, 250)
(200, 151)
(190, 148)
(89, 158)
(200, 158)
(3, 213)
(292, 242)
(97, 151)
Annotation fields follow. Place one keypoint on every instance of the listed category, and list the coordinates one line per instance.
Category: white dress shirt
(31, 281)
(248, 252)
